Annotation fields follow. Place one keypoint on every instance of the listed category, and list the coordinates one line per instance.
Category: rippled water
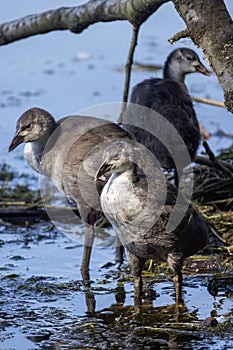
(44, 303)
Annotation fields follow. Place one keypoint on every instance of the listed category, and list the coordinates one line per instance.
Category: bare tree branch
(206, 161)
(78, 18)
(208, 23)
(210, 27)
(128, 70)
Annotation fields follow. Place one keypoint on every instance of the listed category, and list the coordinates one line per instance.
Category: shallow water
(44, 302)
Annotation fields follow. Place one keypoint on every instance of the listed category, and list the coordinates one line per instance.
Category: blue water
(44, 70)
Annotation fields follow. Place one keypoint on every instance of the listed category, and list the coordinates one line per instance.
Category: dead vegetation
(213, 195)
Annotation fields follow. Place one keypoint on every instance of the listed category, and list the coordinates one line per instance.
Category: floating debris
(82, 56)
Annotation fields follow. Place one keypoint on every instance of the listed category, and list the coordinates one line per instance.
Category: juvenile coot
(169, 97)
(69, 151)
(140, 208)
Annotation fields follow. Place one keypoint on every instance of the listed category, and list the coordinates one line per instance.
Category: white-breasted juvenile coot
(141, 206)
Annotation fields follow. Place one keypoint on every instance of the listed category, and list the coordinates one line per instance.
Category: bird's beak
(17, 140)
(202, 69)
(103, 169)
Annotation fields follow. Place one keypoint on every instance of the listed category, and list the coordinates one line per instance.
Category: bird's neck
(171, 71)
(33, 151)
(125, 176)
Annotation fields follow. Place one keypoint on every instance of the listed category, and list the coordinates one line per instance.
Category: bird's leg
(88, 242)
(119, 252)
(90, 300)
(177, 279)
(176, 178)
(175, 262)
(137, 289)
(136, 264)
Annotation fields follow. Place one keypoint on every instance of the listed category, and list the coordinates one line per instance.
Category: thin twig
(214, 160)
(23, 214)
(36, 213)
(215, 233)
(147, 67)
(206, 161)
(128, 68)
(204, 132)
(209, 152)
(180, 35)
(209, 102)
(220, 201)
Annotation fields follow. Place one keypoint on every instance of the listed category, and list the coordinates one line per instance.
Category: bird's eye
(26, 127)
(189, 58)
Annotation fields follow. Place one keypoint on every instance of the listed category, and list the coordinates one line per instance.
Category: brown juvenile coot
(69, 151)
(140, 208)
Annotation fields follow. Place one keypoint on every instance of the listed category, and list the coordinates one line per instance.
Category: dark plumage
(143, 209)
(69, 151)
(168, 97)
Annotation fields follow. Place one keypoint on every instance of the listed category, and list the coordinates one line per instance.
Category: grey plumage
(68, 152)
(168, 97)
(140, 208)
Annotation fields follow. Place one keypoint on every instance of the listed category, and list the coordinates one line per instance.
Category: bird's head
(183, 61)
(120, 156)
(33, 125)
